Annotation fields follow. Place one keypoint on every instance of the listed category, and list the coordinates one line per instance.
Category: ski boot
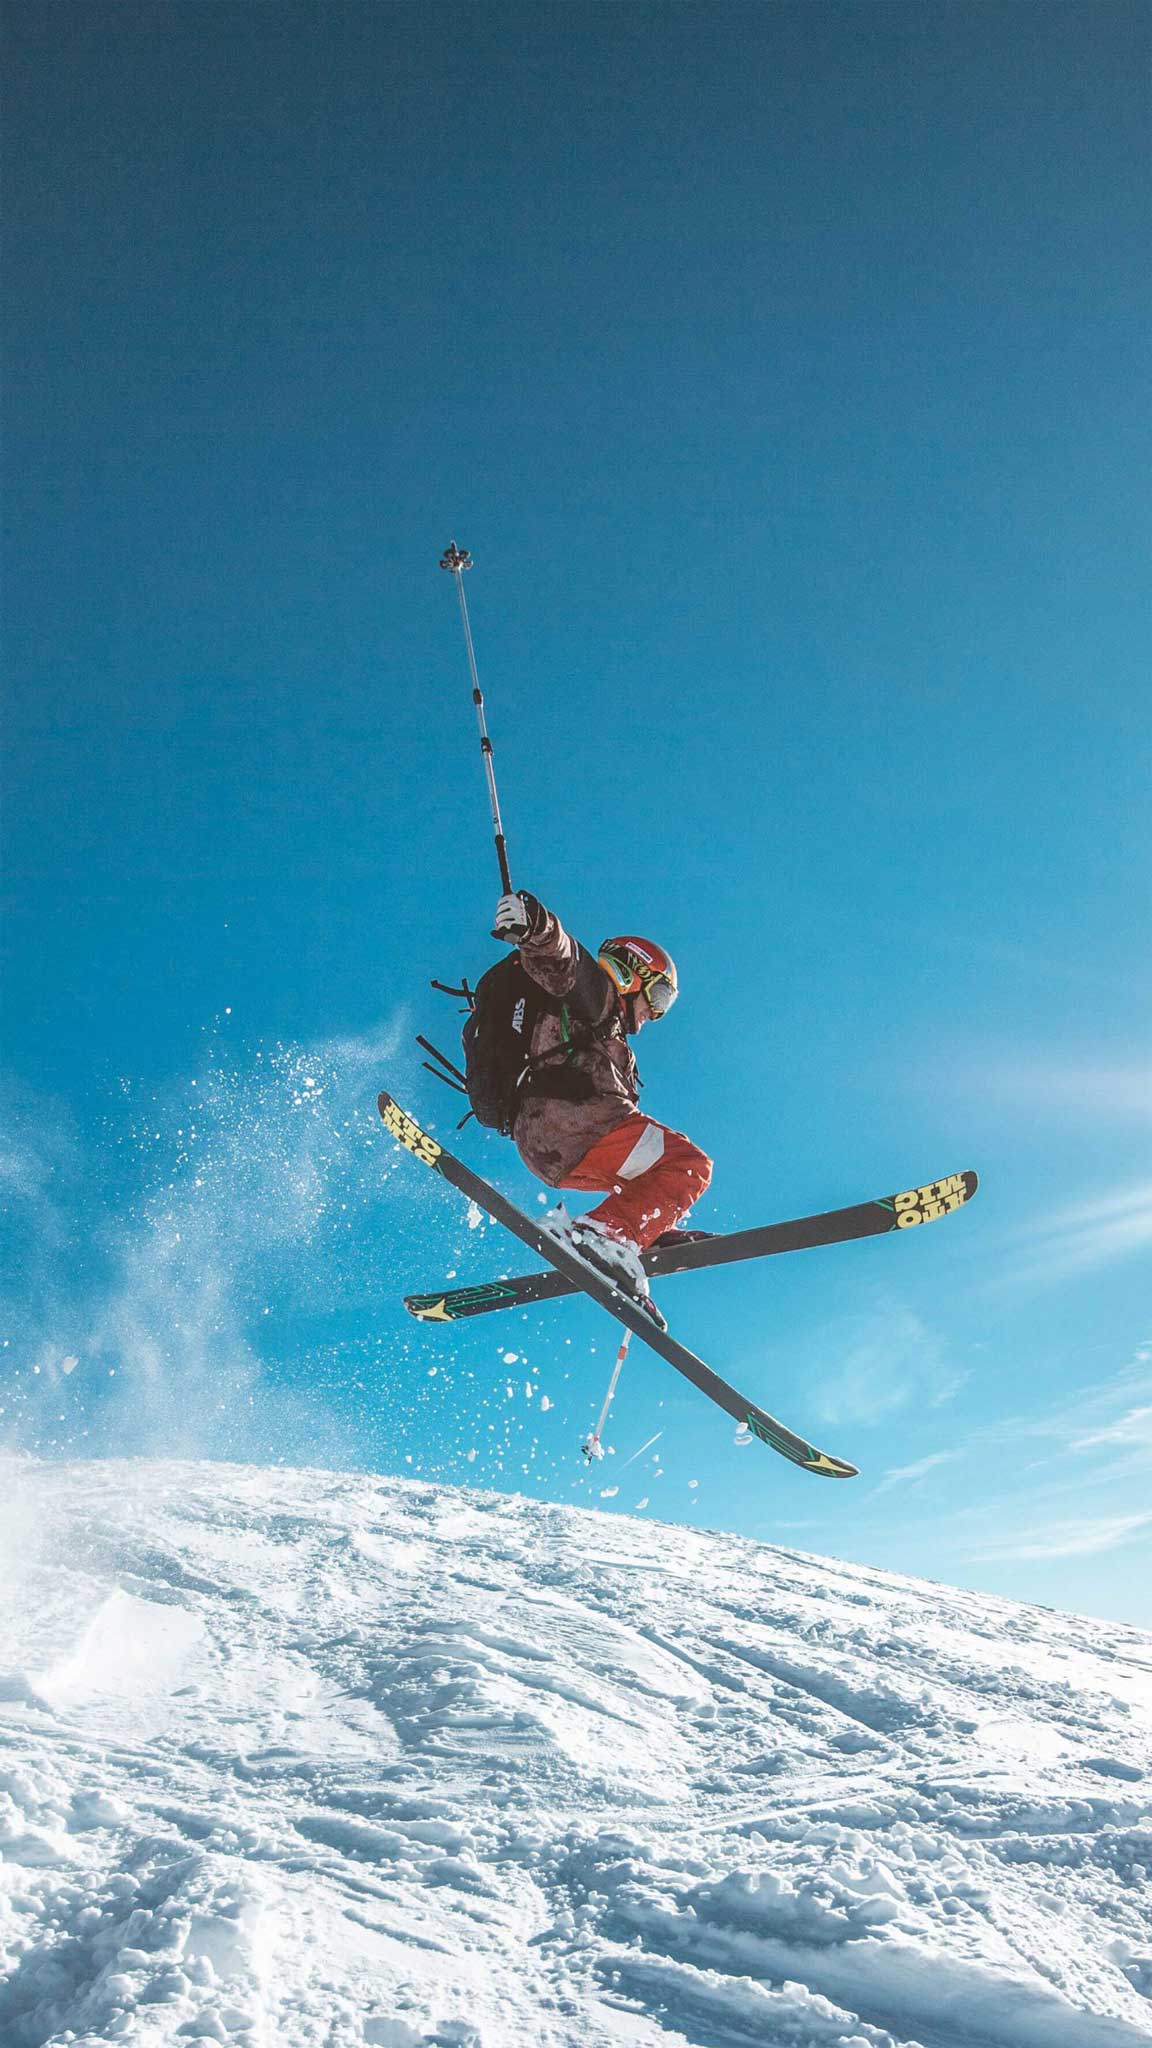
(617, 1260)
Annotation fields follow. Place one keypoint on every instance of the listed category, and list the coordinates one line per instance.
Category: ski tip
(428, 1308)
(407, 1131)
(935, 1199)
(832, 1468)
(822, 1463)
(796, 1448)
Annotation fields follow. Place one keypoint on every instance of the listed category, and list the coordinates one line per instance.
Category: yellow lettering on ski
(407, 1132)
(924, 1205)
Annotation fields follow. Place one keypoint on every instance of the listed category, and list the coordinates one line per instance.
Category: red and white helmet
(638, 967)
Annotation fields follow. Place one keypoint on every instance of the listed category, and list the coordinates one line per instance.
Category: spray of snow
(250, 1177)
(252, 1207)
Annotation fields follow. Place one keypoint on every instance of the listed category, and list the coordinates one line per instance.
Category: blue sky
(785, 370)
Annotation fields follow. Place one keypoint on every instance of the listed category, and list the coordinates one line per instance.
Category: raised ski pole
(456, 560)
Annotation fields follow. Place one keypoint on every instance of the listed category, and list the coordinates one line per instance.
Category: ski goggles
(640, 968)
(659, 989)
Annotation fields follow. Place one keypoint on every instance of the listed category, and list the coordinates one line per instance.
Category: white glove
(518, 915)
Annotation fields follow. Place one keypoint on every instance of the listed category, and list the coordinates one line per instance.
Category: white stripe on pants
(649, 1147)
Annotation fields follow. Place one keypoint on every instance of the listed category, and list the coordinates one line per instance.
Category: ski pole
(592, 1446)
(457, 560)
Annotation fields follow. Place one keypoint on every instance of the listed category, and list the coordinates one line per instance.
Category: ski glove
(518, 916)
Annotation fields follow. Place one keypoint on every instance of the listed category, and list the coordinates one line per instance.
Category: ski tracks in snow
(301, 1760)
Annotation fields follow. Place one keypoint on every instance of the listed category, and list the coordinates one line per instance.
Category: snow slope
(291, 1757)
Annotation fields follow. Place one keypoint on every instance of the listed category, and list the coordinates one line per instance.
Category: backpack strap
(446, 1067)
(576, 1037)
(467, 994)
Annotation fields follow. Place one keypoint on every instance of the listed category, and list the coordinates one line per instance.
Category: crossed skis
(568, 1273)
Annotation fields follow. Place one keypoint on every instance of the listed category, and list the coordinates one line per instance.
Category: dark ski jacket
(553, 1132)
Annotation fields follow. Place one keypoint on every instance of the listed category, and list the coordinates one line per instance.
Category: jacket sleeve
(568, 971)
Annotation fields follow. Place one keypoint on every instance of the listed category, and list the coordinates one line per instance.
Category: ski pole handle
(456, 560)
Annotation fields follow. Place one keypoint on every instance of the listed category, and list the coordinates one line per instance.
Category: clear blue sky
(785, 370)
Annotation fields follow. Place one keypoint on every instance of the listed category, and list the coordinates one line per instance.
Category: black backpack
(497, 1040)
(498, 1064)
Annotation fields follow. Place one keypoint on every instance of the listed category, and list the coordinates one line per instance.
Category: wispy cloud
(1085, 1418)
(1131, 1431)
(1012, 958)
(1071, 1536)
(908, 1475)
(1097, 1089)
(1039, 1083)
(870, 1365)
(1079, 1480)
(1078, 1239)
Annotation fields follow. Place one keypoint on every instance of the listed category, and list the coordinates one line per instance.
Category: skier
(578, 1122)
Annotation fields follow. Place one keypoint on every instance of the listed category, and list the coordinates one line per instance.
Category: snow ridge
(318, 1760)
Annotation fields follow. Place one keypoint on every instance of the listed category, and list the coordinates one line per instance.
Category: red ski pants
(654, 1175)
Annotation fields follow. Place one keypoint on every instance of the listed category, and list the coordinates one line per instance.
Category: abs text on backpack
(498, 1064)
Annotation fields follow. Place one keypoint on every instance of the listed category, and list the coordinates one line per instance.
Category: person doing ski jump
(577, 1121)
(547, 1062)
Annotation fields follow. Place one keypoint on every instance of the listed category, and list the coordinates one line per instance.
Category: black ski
(835, 1226)
(614, 1299)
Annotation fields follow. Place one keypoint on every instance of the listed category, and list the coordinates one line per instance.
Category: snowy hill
(302, 1758)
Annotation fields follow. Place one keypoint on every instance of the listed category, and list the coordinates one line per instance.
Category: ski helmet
(638, 967)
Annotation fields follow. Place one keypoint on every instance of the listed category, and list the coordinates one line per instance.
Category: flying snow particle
(693, 1482)
(475, 1215)
(511, 1357)
(609, 1492)
(545, 1403)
